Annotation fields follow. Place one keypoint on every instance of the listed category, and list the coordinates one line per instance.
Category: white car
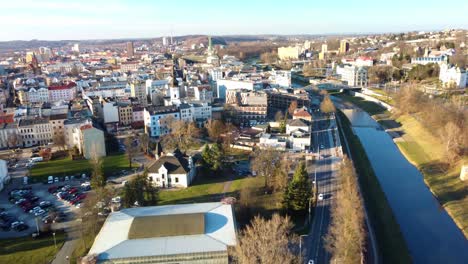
(35, 209)
(310, 261)
(39, 212)
(320, 197)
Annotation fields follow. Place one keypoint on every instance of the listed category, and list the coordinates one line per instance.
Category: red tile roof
(63, 87)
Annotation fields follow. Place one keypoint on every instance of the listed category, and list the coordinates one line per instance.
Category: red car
(52, 189)
(73, 190)
(78, 198)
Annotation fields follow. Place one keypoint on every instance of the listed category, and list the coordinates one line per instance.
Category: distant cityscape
(235, 149)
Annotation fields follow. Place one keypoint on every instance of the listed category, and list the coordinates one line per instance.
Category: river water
(431, 235)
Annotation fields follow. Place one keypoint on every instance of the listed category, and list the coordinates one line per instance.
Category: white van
(25, 180)
(36, 159)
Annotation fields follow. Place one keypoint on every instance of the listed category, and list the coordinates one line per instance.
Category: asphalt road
(326, 185)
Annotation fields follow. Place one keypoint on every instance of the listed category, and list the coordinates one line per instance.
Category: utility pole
(55, 241)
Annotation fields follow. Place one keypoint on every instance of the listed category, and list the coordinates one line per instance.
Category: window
(150, 179)
(163, 176)
(176, 179)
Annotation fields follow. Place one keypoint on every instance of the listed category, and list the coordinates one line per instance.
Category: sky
(109, 19)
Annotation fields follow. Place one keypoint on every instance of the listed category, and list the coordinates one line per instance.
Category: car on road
(320, 197)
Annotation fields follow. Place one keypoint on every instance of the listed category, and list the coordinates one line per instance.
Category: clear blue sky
(99, 19)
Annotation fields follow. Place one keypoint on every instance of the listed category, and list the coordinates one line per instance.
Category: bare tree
(292, 107)
(346, 235)
(279, 117)
(453, 138)
(59, 140)
(130, 149)
(144, 141)
(12, 140)
(327, 105)
(215, 128)
(266, 241)
(264, 163)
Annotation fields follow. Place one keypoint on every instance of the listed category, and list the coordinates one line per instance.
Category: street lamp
(300, 243)
(55, 241)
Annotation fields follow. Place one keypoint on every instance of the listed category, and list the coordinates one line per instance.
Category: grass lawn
(425, 151)
(391, 243)
(368, 106)
(67, 167)
(28, 250)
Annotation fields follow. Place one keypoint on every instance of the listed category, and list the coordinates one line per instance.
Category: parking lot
(33, 206)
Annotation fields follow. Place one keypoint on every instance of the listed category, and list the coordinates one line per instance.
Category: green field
(68, 167)
(391, 243)
(28, 250)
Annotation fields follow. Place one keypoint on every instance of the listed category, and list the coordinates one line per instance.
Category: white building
(354, 76)
(271, 141)
(38, 95)
(281, 78)
(224, 85)
(35, 131)
(4, 177)
(110, 111)
(452, 76)
(183, 233)
(172, 170)
(203, 93)
(155, 119)
(64, 92)
(195, 112)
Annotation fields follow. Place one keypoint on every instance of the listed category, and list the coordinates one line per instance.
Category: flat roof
(123, 233)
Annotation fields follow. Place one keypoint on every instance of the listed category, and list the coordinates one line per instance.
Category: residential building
(224, 85)
(138, 116)
(344, 46)
(203, 93)
(289, 53)
(297, 124)
(354, 76)
(156, 118)
(172, 170)
(9, 137)
(37, 95)
(129, 66)
(70, 126)
(439, 59)
(90, 141)
(183, 233)
(195, 112)
(125, 114)
(281, 100)
(35, 131)
(249, 107)
(138, 90)
(57, 123)
(452, 76)
(303, 114)
(65, 92)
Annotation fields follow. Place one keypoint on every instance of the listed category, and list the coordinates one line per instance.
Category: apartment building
(156, 118)
(354, 76)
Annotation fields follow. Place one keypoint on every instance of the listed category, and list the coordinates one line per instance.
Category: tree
(215, 128)
(327, 106)
(281, 174)
(130, 149)
(292, 107)
(298, 193)
(453, 138)
(98, 179)
(269, 57)
(346, 235)
(59, 140)
(380, 74)
(141, 191)
(144, 141)
(264, 163)
(267, 241)
(212, 157)
(279, 116)
(12, 140)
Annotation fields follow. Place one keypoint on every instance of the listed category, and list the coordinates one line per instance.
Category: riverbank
(391, 243)
(425, 151)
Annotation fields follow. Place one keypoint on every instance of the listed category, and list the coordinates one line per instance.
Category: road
(326, 185)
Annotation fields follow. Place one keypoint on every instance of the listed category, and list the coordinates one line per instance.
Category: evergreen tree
(217, 156)
(297, 195)
(206, 157)
(283, 123)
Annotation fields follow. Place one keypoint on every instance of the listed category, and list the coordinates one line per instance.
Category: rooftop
(166, 230)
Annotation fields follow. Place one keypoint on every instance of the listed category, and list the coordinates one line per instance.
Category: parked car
(320, 197)
(21, 227)
(39, 212)
(45, 204)
(50, 179)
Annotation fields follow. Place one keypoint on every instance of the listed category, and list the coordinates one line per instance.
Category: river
(430, 233)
